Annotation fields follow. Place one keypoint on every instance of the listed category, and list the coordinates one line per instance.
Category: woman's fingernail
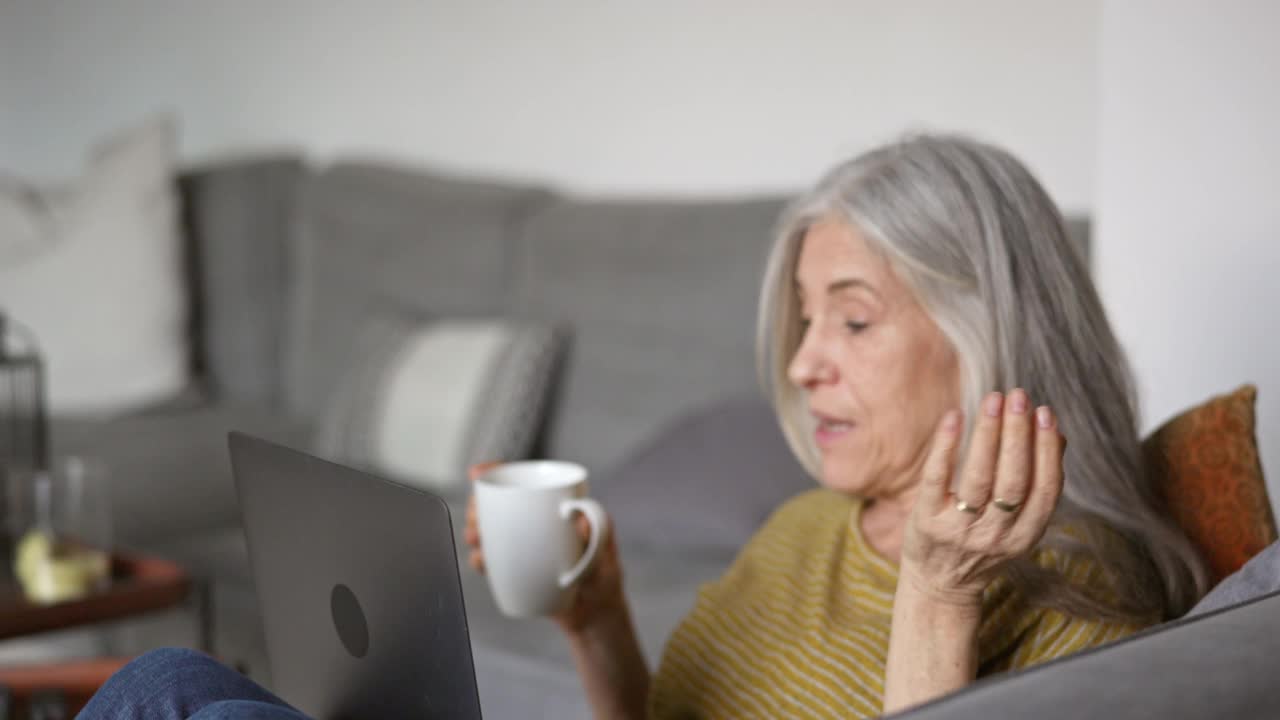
(992, 405)
(1044, 417)
(951, 421)
(1018, 401)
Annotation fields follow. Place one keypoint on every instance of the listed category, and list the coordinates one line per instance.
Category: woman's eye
(856, 327)
(804, 324)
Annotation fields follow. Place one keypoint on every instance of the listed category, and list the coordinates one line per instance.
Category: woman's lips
(829, 430)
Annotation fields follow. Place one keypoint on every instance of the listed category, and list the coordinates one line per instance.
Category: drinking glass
(64, 549)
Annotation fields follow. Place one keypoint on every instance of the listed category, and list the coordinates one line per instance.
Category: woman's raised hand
(956, 542)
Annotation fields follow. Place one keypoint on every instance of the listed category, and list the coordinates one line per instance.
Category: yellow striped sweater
(799, 625)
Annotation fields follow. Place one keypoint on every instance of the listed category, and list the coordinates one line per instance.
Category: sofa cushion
(369, 234)
(524, 667)
(239, 217)
(170, 472)
(660, 302)
(1206, 460)
(708, 479)
(661, 588)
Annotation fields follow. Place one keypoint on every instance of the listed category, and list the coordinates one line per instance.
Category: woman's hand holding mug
(537, 522)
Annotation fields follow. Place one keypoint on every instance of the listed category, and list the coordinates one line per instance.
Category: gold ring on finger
(965, 507)
(1005, 505)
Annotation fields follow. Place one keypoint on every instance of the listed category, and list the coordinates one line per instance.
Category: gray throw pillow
(1259, 576)
(708, 479)
(420, 400)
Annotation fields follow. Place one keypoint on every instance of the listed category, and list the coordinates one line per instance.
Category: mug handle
(599, 526)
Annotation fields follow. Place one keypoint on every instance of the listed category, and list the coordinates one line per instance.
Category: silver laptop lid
(357, 580)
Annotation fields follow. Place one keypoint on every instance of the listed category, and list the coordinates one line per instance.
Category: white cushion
(430, 392)
(420, 401)
(94, 270)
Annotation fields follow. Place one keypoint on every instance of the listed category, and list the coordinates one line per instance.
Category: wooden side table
(139, 585)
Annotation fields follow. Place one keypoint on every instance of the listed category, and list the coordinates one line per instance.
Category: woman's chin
(843, 477)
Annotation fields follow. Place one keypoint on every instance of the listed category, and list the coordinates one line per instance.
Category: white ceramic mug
(532, 552)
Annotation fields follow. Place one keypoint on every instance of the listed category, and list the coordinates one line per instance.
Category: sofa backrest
(371, 236)
(658, 297)
(660, 302)
(238, 218)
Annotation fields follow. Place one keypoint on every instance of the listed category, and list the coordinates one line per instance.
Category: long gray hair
(979, 241)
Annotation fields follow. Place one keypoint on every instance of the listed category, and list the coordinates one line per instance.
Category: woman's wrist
(611, 664)
(933, 642)
(926, 595)
(602, 626)
(956, 618)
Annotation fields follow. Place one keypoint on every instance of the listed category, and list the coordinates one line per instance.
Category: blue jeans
(175, 684)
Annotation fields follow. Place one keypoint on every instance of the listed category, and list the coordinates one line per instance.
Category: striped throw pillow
(423, 400)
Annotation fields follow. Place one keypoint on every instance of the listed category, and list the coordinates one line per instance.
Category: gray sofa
(658, 300)
(657, 395)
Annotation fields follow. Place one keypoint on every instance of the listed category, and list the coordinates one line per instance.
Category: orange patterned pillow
(1206, 462)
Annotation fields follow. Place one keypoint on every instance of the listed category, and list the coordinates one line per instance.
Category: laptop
(357, 579)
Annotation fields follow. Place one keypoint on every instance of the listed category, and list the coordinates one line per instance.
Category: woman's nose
(810, 365)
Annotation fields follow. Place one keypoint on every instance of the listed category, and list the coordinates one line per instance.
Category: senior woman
(954, 535)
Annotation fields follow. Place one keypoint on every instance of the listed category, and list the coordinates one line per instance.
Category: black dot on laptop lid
(349, 620)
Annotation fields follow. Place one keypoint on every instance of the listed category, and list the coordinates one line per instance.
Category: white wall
(1188, 234)
(729, 95)
(664, 95)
